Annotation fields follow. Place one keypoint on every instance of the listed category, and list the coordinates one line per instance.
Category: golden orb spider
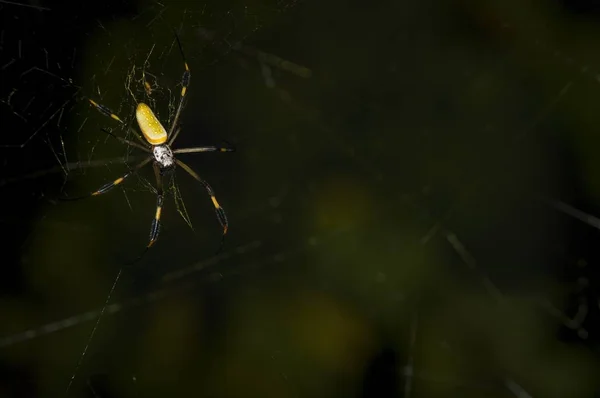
(157, 143)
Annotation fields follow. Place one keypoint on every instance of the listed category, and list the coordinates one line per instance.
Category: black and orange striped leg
(185, 83)
(221, 216)
(108, 186)
(108, 113)
(155, 227)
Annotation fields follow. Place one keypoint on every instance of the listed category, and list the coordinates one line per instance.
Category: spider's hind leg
(160, 199)
(220, 212)
(108, 186)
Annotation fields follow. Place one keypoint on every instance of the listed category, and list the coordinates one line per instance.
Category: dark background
(403, 201)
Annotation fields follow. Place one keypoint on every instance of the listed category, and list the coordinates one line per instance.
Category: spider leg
(204, 149)
(108, 186)
(128, 142)
(185, 82)
(107, 112)
(221, 216)
(155, 226)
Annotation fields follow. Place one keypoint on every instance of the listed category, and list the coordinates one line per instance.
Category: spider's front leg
(109, 113)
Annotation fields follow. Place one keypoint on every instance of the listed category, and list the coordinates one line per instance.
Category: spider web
(412, 212)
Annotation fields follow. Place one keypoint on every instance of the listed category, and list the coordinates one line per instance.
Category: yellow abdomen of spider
(153, 130)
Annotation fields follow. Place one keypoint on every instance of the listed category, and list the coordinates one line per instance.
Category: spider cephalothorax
(164, 158)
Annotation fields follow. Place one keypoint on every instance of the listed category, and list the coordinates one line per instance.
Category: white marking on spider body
(163, 155)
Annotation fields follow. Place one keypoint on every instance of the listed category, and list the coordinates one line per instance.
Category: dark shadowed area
(412, 200)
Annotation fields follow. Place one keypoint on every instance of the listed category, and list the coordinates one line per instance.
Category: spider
(157, 143)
